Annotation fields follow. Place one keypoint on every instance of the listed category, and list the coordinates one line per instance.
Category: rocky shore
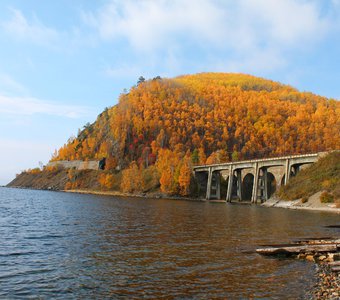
(328, 283)
(313, 204)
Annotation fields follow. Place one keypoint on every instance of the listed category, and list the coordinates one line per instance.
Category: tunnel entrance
(247, 186)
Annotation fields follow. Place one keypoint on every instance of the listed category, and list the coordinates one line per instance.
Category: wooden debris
(324, 250)
(296, 249)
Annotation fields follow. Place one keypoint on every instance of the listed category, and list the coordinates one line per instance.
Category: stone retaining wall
(77, 164)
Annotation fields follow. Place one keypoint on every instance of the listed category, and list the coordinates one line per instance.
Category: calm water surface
(59, 245)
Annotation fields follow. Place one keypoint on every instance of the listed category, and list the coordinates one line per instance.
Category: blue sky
(62, 62)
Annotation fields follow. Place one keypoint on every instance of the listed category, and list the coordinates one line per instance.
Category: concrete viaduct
(251, 180)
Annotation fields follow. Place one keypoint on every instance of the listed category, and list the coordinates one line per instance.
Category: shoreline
(315, 204)
(155, 195)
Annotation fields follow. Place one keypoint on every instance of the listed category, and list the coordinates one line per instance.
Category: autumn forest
(161, 127)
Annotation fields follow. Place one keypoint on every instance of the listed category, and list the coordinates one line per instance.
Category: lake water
(61, 245)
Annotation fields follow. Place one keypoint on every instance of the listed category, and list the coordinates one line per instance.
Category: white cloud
(244, 30)
(21, 28)
(30, 106)
(148, 24)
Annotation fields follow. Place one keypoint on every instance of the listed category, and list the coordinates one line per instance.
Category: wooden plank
(279, 245)
(298, 249)
(334, 263)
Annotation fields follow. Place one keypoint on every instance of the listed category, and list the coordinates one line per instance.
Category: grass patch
(324, 175)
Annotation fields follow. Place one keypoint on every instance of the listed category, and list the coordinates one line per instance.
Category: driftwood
(325, 250)
(313, 241)
(296, 249)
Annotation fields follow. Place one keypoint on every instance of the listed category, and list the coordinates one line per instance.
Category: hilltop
(161, 127)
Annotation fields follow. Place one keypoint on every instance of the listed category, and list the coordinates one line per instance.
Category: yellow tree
(132, 179)
(185, 175)
(166, 165)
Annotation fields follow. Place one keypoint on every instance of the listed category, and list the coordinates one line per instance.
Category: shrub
(68, 186)
(33, 171)
(326, 197)
(106, 181)
(304, 199)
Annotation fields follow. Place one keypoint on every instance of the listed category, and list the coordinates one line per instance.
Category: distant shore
(153, 195)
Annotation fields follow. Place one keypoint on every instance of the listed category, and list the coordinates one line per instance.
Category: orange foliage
(224, 116)
(132, 180)
(167, 164)
(106, 181)
(185, 175)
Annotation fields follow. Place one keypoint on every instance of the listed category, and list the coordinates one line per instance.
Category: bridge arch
(247, 186)
(271, 184)
(202, 182)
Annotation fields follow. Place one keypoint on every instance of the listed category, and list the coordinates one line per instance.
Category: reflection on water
(72, 246)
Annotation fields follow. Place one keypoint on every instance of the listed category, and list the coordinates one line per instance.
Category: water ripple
(66, 246)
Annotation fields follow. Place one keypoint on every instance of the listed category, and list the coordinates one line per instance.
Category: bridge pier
(255, 184)
(264, 185)
(208, 195)
(239, 184)
(213, 184)
(230, 184)
(287, 171)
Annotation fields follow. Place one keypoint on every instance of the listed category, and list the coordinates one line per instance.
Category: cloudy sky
(62, 62)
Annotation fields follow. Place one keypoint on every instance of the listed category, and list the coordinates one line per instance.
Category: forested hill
(166, 125)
